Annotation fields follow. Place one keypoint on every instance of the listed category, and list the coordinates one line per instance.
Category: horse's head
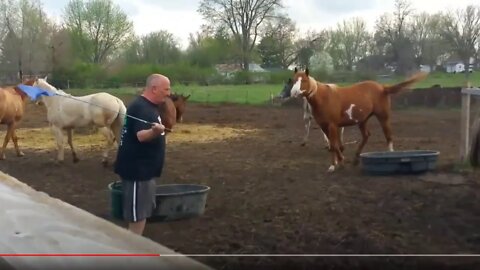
(180, 102)
(286, 89)
(43, 84)
(303, 84)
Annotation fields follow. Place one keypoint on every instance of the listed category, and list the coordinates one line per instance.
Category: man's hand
(158, 128)
(151, 133)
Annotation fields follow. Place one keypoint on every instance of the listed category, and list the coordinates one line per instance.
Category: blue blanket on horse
(34, 92)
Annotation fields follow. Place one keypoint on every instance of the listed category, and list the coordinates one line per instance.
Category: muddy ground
(269, 195)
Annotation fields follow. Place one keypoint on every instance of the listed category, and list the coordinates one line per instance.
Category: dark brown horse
(334, 107)
(12, 109)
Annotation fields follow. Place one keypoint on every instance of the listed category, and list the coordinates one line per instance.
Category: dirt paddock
(269, 195)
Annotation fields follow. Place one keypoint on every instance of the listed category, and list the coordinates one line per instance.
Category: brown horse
(180, 102)
(334, 107)
(12, 108)
(171, 111)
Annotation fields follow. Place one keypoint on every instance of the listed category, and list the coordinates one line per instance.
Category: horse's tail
(393, 89)
(474, 155)
(119, 120)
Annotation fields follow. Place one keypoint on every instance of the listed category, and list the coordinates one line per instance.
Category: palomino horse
(307, 114)
(66, 112)
(12, 108)
(334, 107)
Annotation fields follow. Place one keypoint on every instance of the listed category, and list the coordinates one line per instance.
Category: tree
(160, 48)
(391, 31)
(26, 45)
(353, 37)
(276, 47)
(98, 28)
(243, 18)
(210, 47)
(461, 29)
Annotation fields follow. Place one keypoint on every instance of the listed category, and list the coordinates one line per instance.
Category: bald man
(141, 153)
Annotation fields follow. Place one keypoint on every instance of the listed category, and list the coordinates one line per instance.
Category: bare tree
(243, 18)
(461, 29)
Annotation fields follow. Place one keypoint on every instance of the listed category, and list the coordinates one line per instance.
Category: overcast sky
(181, 18)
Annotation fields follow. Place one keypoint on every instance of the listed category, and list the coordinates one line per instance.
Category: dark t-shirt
(140, 161)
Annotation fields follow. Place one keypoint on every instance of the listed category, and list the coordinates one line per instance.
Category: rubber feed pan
(399, 162)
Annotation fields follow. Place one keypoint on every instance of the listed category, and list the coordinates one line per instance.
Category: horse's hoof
(105, 163)
(76, 160)
(3, 157)
(331, 169)
(21, 154)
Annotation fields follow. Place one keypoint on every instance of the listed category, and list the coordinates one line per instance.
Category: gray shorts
(138, 199)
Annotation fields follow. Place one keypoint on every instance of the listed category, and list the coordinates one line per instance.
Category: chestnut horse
(171, 111)
(335, 107)
(180, 102)
(307, 114)
(12, 108)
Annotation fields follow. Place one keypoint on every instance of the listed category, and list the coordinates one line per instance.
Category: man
(141, 153)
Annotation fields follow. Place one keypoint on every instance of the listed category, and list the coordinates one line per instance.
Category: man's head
(157, 88)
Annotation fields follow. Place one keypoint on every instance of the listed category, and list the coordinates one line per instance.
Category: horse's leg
(387, 130)
(58, 133)
(340, 139)
(336, 154)
(365, 134)
(15, 143)
(308, 122)
(6, 140)
(307, 118)
(70, 142)
(109, 135)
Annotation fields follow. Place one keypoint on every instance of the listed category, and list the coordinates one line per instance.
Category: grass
(258, 94)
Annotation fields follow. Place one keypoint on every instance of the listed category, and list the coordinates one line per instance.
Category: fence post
(465, 121)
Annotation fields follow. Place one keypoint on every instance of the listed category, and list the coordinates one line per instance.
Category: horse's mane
(45, 85)
(314, 82)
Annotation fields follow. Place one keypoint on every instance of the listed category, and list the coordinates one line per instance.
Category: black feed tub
(399, 162)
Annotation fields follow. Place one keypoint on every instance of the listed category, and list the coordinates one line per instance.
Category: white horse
(67, 112)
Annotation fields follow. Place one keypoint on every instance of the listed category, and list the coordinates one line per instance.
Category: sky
(180, 17)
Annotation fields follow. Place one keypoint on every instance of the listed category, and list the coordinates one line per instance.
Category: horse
(12, 108)
(307, 114)
(335, 107)
(66, 112)
(180, 102)
(168, 114)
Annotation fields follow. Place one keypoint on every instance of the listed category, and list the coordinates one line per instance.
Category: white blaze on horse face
(296, 91)
(350, 111)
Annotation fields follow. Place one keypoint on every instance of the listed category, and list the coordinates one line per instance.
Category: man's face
(161, 89)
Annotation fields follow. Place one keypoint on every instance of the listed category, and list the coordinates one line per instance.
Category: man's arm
(151, 133)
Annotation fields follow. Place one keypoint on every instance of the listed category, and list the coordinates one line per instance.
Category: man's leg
(139, 203)
(137, 227)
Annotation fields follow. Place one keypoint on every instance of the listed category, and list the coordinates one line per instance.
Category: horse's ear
(45, 78)
(187, 97)
(307, 72)
(296, 70)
